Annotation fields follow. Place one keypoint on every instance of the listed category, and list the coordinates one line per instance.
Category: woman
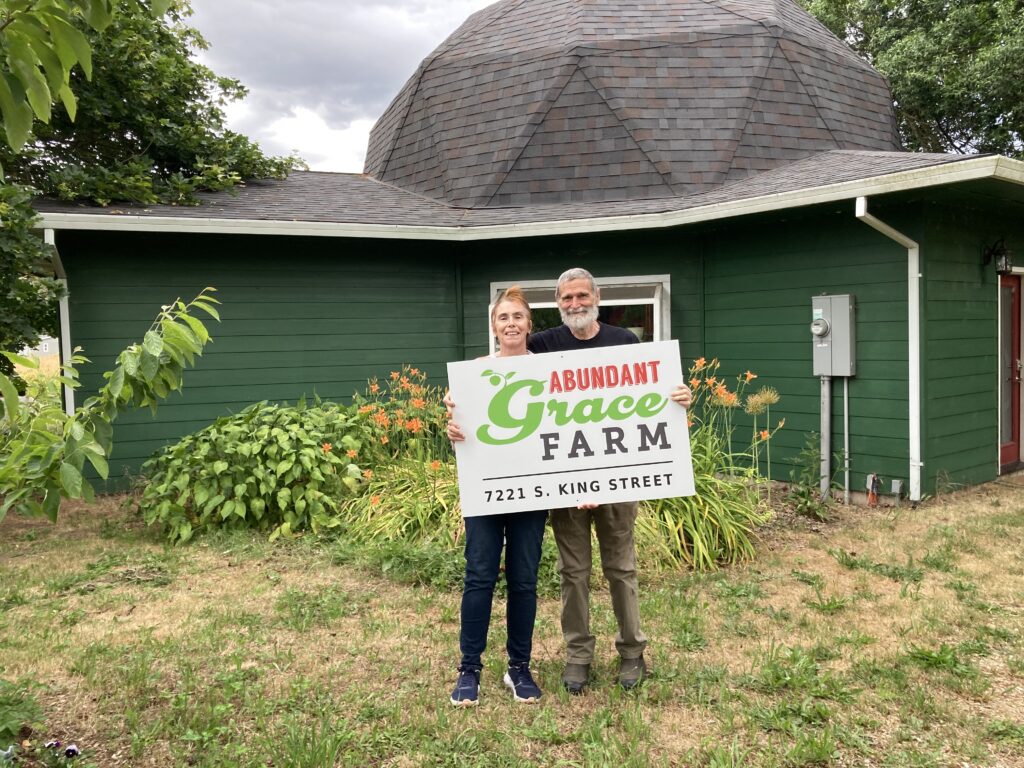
(521, 534)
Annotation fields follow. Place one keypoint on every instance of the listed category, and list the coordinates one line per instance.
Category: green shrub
(403, 417)
(43, 451)
(409, 501)
(271, 467)
(718, 523)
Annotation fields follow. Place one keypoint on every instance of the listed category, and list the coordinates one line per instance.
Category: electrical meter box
(832, 334)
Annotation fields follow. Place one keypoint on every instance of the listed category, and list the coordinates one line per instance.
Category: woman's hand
(453, 431)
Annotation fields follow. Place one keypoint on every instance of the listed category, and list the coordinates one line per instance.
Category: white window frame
(640, 290)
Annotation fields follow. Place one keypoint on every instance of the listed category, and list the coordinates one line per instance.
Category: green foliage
(718, 524)
(954, 68)
(404, 417)
(28, 298)
(805, 481)
(41, 41)
(43, 451)
(276, 468)
(907, 574)
(18, 709)
(150, 125)
(408, 501)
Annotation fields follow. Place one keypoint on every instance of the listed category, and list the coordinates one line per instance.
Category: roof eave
(992, 167)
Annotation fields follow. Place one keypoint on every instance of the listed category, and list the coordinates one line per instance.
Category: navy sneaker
(467, 688)
(519, 679)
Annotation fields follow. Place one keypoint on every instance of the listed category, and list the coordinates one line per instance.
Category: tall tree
(955, 67)
(144, 122)
(150, 124)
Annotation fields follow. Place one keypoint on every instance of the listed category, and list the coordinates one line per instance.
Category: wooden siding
(961, 356)
(299, 317)
(319, 316)
(759, 280)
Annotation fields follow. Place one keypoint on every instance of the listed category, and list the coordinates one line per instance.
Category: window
(638, 303)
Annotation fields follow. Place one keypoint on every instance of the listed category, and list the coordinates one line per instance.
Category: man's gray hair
(576, 273)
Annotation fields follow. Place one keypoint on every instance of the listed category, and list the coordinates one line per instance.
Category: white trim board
(998, 168)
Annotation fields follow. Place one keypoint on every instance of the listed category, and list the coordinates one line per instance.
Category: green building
(729, 171)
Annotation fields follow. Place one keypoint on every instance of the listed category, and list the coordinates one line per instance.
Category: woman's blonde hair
(512, 293)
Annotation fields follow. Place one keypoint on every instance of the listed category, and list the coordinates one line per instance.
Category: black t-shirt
(560, 339)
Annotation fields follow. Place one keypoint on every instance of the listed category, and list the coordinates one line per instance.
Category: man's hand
(682, 395)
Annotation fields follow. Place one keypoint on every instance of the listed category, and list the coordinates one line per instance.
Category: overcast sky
(320, 72)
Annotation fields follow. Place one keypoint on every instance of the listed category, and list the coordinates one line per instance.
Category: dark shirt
(560, 339)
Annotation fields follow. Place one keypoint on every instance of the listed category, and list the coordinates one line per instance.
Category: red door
(1010, 372)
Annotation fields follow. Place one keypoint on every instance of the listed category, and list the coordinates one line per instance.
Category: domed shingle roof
(546, 101)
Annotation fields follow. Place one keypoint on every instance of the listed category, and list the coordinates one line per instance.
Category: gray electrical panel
(832, 333)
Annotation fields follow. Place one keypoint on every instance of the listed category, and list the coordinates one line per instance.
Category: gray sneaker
(575, 678)
(632, 672)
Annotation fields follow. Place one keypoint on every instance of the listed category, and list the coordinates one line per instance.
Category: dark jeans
(522, 534)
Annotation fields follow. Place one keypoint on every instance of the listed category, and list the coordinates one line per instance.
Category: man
(578, 299)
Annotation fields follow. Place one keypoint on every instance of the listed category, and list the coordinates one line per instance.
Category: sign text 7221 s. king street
(559, 429)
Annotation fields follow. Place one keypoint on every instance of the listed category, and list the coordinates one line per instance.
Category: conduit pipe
(914, 338)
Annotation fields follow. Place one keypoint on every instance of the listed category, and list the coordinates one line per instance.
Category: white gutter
(65, 318)
(999, 168)
(914, 338)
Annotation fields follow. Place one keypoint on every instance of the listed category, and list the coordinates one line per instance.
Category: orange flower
(699, 363)
(414, 425)
(414, 371)
(365, 408)
(690, 423)
(375, 387)
(721, 391)
(326, 447)
(384, 440)
(399, 414)
(416, 389)
(729, 398)
(395, 375)
(374, 501)
(350, 454)
(694, 384)
(435, 465)
(382, 419)
(367, 473)
(750, 376)
(765, 434)
(711, 381)
(418, 402)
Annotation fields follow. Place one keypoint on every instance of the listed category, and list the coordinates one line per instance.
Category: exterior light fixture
(1001, 255)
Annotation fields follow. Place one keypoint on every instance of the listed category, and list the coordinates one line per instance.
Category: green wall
(299, 316)
(961, 355)
(760, 277)
(320, 315)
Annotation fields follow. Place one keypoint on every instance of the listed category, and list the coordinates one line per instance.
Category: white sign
(562, 428)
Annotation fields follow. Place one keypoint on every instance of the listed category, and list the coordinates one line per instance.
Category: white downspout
(914, 338)
(65, 318)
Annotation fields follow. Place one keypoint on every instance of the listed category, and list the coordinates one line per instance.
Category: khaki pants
(614, 525)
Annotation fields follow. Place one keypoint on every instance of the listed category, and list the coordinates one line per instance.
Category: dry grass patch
(236, 652)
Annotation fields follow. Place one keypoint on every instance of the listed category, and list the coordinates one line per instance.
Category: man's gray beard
(580, 321)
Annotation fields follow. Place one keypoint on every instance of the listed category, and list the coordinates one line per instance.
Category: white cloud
(323, 147)
(320, 72)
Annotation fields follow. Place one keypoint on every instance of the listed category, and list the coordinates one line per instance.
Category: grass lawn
(881, 638)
